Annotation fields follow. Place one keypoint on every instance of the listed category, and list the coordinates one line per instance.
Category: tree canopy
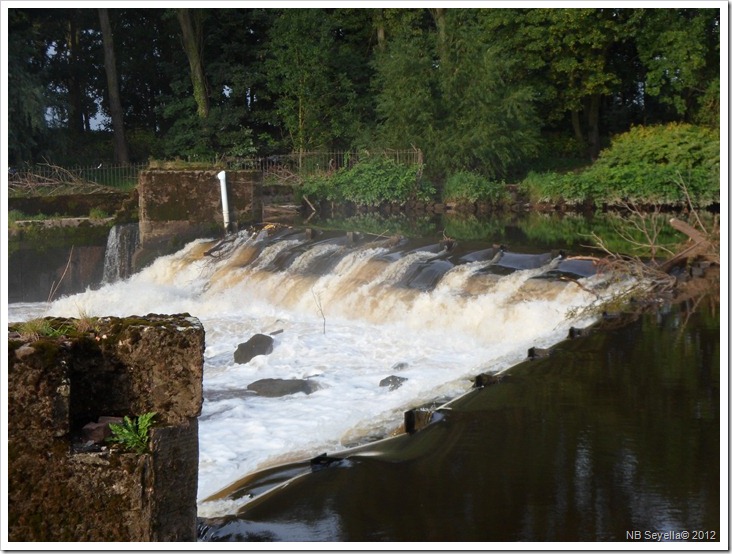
(491, 91)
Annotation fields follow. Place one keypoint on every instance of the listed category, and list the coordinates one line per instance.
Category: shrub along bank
(659, 164)
(370, 182)
(647, 165)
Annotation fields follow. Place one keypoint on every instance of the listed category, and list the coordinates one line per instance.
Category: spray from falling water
(428, 317)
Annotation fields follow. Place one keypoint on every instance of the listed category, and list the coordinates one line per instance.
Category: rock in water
(393, 382)
(256, 346)
(282, 387)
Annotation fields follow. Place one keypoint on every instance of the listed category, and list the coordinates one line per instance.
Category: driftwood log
(700, 244)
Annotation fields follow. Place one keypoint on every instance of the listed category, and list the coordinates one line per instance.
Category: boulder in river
(282, 387)
(256, 346)
(393, 382)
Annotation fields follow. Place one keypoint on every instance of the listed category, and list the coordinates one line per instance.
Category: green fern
(133, 434)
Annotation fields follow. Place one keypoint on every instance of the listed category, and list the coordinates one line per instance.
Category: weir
(385, 279)
(347, 312)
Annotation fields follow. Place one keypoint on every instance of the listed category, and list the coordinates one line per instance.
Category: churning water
(351, 311)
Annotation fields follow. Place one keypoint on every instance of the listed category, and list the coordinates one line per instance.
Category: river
(615, 432)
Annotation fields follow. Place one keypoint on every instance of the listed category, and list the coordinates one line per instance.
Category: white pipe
(224, 199)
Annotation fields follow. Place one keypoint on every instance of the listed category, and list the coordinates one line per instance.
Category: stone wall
(176, 207)
(64, 487)
(56, 258)
(70, 205)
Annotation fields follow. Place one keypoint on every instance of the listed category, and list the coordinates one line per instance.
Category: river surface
(613, 433)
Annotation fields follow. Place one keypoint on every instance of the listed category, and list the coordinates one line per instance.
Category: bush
(644, 165)
(648, 164)
(465, 186)
(369, 182)
(553, 187)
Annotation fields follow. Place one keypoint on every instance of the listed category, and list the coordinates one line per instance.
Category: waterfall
(346, 312)
(122, 242)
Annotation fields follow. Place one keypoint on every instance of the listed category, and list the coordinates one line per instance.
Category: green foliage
(465, 186)
(315, 60)
(649, 164)
(143, 145)
(132, 434)
(405, 86)
(34, 329)
(454, 96)
(474, 89)
(26, 125)
(557, 152)
(97, 214)
(645, 165)
(709, 106)
(369, 182)
(551, 187)
(680, 51)
(222, 133)
(16, 215)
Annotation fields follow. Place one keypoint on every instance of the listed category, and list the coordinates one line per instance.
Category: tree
(405, 83)
(317, 75)
(473, 88)
(578, 47)
(191, 26)
(26, 102)
(489, 122)
(679, 49)
(115, 104)
(445, 87)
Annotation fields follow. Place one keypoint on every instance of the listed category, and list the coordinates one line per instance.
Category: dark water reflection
(615, 432)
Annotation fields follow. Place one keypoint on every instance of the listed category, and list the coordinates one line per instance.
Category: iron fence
(297, 164)
(309, 163)
(115, 176)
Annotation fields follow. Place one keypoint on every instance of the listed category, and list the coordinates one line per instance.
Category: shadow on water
(613, 433)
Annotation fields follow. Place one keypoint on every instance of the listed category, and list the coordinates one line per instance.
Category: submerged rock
(393, 382)
(536, 353)
(256, 346)
(282, 387)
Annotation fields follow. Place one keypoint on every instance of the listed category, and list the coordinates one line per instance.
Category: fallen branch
(54, 286)
(695, 235)
(308, 203)
(319, 306)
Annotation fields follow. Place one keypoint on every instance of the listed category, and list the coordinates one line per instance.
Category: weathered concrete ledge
(72, 205)
(67, 373)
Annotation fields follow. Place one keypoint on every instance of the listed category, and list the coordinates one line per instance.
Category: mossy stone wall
(105, 367)
(178, 206)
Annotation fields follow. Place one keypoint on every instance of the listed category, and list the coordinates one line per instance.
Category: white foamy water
(345, 330)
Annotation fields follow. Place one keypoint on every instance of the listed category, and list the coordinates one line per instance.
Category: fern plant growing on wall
(133, 433)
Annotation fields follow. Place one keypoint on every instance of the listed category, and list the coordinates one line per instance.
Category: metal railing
(126, 176)
(40, 175)
(308, 163)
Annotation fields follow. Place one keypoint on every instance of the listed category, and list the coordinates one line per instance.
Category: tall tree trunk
(593, 125)
(193, 46)
(76, 112)
(577, 128)
(115, 105)
(380, 28)
(438, 14)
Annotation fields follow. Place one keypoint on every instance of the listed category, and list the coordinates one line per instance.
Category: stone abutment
(66, 378)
